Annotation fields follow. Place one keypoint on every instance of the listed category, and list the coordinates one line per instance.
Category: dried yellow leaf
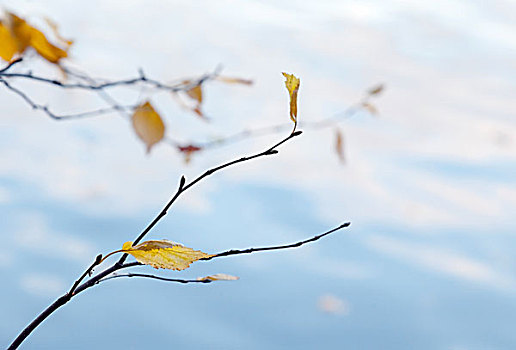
(164, 254)
(292, 83)
(195, 93)
(21, 32)
(148, 125)
(24, 35)
(48, 51)
(8, 45)
(219, 277)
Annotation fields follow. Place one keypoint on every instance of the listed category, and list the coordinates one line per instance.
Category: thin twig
(53, 115)
(88, 272)
(279, 247)
(144, 275)
(10, 64)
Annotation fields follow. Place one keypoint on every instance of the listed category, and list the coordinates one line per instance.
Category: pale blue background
(428, 262)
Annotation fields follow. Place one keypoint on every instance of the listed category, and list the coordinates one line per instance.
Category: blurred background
(428, 184)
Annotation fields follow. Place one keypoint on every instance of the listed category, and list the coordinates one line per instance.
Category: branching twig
(93, 85)
(45, 109)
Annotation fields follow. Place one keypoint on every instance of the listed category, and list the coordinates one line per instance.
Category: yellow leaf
(8, 45)
(292, 83)
(195, 93)
(25, 35)
(48, 51)
(164, 254)
(21, 32)
(219, 277)
(148, 125)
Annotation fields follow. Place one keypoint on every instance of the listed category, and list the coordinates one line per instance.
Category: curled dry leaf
(232, 80)
(164, 254)
(17, 35)
(292, 83)
(188, 151)
(219, 277)
(339, 145)
(195, 93)
(148, 125)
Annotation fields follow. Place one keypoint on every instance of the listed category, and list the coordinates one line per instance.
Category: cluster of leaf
(16, 36)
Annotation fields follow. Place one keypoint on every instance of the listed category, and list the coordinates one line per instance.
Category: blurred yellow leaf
(164, 254)
(22, 35)
(292, 83)
(219, 277)
(339, 145)
(148, 125)
(48, 51)
(21, 32)
(231, 80)
(8, 45)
